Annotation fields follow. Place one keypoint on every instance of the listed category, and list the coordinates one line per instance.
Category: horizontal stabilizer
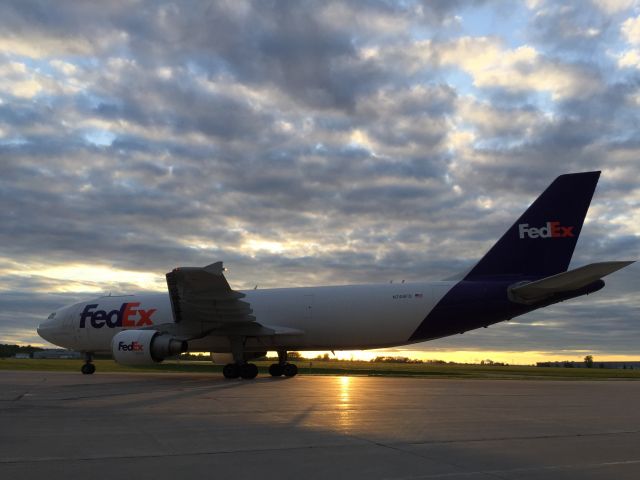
(532, 292)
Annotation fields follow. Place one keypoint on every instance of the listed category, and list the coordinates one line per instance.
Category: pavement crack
(524, 437)
(507, 473)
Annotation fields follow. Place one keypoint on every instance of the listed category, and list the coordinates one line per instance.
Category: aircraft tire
(231, 370)
(276, 370)
(248, 371)
(290, 370)
(88, 369)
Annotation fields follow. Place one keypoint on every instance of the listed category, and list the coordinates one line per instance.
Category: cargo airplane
(525, 270)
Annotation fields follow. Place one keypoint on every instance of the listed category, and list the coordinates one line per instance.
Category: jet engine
(144, 347)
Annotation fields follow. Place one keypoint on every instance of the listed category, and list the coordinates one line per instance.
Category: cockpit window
(51, 316)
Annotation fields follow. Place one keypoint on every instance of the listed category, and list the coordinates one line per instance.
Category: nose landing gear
(88, 368)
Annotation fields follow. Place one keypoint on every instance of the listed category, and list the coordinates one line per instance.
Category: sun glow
(254, 246)
(467, 356)
(344, 402)
(90, 278)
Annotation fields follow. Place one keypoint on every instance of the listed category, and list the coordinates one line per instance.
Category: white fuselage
(340, 318)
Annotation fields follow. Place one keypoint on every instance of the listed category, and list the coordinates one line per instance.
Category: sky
(315, 143)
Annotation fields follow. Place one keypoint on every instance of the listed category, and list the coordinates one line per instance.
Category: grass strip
(317, 367)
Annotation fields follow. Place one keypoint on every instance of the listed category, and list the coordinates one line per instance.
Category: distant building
(621, 365)
(57, 353)
(22, 355)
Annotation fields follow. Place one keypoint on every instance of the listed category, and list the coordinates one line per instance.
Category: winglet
(216, 268)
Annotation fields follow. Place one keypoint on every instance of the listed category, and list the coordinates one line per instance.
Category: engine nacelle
(221, 358)
(144, 347)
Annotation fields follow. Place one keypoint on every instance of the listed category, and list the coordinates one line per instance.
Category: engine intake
(144, 347)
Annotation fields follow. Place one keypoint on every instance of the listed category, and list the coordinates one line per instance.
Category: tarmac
(157, 426)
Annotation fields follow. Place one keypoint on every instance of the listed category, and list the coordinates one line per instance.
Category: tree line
(7, 350)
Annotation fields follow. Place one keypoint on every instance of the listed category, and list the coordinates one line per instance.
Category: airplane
(524, 271)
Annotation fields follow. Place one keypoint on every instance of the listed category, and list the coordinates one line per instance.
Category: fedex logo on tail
(128, 315)
(550, 230)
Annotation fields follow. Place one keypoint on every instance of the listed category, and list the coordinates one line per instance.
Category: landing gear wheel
(231, 370)
(276, 370)
(248, 371)
(88, 368)
(290, 370)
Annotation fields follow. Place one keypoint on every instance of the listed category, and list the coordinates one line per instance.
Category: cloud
(517, 70)
(303, 144)
(17, 81)
(614, 6)
(38, 46)
(631, 30)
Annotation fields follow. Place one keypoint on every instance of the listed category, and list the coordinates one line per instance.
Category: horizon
(510, 358)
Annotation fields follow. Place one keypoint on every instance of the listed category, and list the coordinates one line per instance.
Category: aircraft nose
(50, 329)
(44, 331)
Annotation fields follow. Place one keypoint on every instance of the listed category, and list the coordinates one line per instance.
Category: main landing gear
(240, 368)
(247, 371)
(88, 368)
(283, 367)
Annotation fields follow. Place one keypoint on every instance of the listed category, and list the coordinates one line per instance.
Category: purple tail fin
(542, 240)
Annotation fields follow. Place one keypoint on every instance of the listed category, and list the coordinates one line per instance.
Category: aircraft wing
(202, 295)
(532, 292)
